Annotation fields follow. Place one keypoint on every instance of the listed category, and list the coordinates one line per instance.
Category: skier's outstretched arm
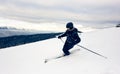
(62, 35)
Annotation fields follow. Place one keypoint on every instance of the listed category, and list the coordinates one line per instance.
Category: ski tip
(104, 57)
(45, 61)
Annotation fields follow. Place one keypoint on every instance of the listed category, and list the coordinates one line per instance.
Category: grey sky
(84, 11)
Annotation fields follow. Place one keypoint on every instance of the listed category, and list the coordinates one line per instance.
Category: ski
(57, 57)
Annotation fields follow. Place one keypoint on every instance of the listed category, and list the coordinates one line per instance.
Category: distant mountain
(24, 39)
(11, 31)
(7, 28)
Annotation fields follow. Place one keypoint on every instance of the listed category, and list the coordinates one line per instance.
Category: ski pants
(67, 46)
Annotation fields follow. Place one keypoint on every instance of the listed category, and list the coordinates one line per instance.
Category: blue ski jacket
(72, 36)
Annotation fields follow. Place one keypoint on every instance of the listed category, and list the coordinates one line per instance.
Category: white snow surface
(29, 58)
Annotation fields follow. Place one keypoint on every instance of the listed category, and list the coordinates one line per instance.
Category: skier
(72, 38)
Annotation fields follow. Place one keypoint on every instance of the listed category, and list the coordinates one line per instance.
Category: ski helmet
(69, 25)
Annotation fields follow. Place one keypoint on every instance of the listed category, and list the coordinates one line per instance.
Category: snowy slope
(29, 58)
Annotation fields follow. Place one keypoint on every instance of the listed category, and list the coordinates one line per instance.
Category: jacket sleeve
(64, 34)
(76, 38)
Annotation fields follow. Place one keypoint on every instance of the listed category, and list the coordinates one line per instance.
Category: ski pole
(92, 51)
(88, 50)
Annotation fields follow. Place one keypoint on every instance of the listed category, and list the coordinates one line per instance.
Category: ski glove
(59, 37)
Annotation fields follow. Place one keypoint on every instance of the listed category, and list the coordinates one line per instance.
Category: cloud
(61, 10)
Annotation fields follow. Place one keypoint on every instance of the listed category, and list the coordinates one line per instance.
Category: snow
(29, 58)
